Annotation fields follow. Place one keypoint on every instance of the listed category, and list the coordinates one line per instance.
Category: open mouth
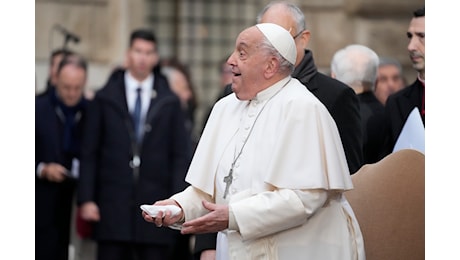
(236, 74)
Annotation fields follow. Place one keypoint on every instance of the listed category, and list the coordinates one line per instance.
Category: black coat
(54, 201)
(341, 102)
(373, 125)
(108, 176)
(397, 109)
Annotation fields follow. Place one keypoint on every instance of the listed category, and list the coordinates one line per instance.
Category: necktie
(137, 115)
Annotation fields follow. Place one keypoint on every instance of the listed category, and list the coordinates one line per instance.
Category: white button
(154, 94)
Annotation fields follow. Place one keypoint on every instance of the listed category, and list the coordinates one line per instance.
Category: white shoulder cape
(307, 151)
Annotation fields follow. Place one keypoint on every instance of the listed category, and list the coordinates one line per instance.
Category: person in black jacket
(339, 99)
(135, 151)
(400, 104)
(59, 119)
(357, 66)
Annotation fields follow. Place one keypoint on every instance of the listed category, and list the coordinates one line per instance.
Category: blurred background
(201, 33)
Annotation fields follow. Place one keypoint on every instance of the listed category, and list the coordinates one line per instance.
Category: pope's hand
(216, 220)
(168, 218)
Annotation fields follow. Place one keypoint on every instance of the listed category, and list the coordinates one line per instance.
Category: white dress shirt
(131, 93)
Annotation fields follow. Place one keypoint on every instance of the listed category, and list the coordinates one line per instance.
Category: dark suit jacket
(341, 102)
(373, 125)
(107, 173)
(397, 109)
(53, 201)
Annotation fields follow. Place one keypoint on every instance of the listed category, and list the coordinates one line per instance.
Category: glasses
(297, 35)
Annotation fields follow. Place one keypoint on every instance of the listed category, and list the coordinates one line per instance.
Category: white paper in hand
(153, 210)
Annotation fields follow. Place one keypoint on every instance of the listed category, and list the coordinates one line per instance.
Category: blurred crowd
(100, 155)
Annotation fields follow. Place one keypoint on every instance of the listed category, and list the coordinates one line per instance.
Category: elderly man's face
(247, 62)
(389, 80)
(280, 15)
(71, 81)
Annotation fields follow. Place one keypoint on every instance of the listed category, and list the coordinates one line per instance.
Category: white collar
(421, 80)
(132, 84)
(271, 91)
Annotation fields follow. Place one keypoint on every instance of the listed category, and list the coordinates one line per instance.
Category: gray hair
(356, 64)
(73, 59)
(387, 61)
(297, 14)
(285, 66)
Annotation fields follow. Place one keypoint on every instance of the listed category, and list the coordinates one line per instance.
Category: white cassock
(285, 200)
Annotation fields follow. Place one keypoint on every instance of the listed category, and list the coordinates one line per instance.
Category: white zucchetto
(281, 39)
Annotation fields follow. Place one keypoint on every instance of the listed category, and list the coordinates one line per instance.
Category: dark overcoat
(398, 107)
(341, 102)
(109, 175)
(53, 201)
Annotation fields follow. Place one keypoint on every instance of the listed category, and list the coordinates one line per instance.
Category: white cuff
(40, 169)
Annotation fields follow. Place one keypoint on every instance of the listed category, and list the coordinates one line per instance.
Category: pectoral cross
(228, 181)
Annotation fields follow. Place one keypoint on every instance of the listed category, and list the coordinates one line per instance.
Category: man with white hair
(357, 66)
(269, 171)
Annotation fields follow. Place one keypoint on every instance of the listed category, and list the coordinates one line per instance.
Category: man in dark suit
(357, 66)
(135, 151)
(400, 104)
(59, 117)
(339, 99)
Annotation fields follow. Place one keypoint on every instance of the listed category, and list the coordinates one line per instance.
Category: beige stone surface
(102, 25)
(330, 31)
(319, 3)
(385, 7)
(88, 21)
(387, 37)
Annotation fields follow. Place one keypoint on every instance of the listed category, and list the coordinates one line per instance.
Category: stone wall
(102, 25)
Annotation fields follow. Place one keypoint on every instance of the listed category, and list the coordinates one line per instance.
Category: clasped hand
(216, 220)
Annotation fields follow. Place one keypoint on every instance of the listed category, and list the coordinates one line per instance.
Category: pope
(269, 171)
